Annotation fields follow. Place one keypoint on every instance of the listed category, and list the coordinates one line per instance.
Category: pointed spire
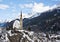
(21, 15)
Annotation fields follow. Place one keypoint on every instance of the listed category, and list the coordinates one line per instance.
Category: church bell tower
(21, 21)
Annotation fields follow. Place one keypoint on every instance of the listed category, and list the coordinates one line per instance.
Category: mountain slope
(47, 21)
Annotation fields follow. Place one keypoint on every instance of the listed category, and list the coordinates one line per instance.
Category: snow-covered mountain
(4, 24)
(39, 13)
(45, 21)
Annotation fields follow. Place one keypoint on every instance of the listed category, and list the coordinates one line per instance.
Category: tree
(29, 29)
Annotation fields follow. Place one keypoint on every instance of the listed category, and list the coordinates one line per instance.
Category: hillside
(47, 21)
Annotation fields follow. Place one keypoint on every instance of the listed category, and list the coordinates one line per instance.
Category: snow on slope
(39, 13)
(33, 37)
(28, 36)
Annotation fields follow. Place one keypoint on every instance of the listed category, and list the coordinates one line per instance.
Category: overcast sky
(10, 9)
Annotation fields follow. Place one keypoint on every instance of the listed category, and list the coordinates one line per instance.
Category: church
(18, 24)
